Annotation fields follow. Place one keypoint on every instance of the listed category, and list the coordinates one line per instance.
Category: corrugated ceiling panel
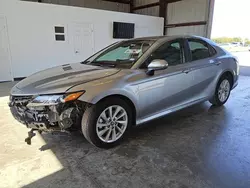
(152, 11)
(187, 11)
(144, 2)
(191, 30)
(98, 4)
(105, 5)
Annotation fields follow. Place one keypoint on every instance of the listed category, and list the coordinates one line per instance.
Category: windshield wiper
(85, 62)
(125, 60)
(103, 64)
(111, 64)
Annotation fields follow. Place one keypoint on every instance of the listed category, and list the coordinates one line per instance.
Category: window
(59, 33)
(199, 49)
(172, 52)
(122, 55)
(60, 37)
(123, 30)
(59, 29)
(212, 51)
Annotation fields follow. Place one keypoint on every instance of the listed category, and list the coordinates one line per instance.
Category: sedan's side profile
(125, 84)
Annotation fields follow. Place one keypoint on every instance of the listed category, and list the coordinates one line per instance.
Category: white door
(83, 40)
(5, 70)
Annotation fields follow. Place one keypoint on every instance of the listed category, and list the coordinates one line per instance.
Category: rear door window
(199, 49)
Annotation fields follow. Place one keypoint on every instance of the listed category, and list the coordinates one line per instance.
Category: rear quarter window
(212, 51)
(200, 49)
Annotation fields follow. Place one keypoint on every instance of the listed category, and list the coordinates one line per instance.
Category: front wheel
(222, 91)
(106, 123)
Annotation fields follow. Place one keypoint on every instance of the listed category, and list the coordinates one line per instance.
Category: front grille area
(32, 118)
(20, 100)
(47, 118)
(18, 106)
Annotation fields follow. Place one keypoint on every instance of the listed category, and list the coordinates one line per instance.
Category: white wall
(32, 38)
(188, 11)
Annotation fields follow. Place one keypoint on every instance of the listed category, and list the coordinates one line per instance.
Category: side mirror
(155, 65)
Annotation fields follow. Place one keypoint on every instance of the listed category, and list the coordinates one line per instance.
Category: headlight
(49, 100)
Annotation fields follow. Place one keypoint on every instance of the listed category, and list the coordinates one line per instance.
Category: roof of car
(162, 38)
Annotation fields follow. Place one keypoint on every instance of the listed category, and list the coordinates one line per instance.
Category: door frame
(70, 27)
(161, 75)
(8, 45)
(204, 63)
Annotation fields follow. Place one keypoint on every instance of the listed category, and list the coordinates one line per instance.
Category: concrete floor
(200, 146)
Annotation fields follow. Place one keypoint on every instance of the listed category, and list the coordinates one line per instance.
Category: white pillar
(209, 17)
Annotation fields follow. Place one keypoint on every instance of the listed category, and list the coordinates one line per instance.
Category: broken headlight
(50, 100)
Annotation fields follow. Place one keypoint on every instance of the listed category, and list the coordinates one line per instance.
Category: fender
(95, 97)
(124, 93)
(223, 72)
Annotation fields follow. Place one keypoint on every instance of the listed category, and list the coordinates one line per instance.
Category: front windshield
(121, 55)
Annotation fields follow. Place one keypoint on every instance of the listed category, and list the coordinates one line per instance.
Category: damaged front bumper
(64, 117)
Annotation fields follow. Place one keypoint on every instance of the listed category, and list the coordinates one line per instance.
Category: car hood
(60, 79)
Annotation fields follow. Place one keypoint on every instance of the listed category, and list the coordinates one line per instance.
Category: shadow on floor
(173, 151)
(200, 146)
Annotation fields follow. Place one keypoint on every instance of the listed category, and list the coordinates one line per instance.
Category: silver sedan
(126, 84)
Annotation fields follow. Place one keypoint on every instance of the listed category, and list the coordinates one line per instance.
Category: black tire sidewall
(96, 110)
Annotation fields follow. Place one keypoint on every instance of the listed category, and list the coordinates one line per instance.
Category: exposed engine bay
(63, 117)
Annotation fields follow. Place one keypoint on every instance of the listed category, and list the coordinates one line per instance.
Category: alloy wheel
(224, 90)
(112, 123)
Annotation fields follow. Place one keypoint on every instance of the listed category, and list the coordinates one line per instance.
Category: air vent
(67, 68)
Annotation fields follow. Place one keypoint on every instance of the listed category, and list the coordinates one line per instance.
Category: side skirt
(168, 111)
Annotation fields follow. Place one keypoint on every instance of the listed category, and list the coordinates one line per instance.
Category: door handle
(218, 63)
(215, 62)
(186, 71)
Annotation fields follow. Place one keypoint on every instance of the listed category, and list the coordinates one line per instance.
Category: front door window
(172, 52)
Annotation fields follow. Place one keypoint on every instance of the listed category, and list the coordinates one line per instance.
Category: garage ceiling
(160, 3)
(162, 7)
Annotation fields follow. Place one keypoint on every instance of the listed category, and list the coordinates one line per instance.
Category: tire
(94, 114)
(215, 100)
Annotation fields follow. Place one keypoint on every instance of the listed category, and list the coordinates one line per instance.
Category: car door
(204, 67)
(168, 88)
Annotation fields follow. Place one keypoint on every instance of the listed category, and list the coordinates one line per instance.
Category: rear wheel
(222, 91)
(106, 123)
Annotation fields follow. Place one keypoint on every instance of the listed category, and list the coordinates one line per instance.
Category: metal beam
(172, 1)
(119, 1)
(163, 12)
(131, 6)
(155, 4)
(186, 24)
(146, 6)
